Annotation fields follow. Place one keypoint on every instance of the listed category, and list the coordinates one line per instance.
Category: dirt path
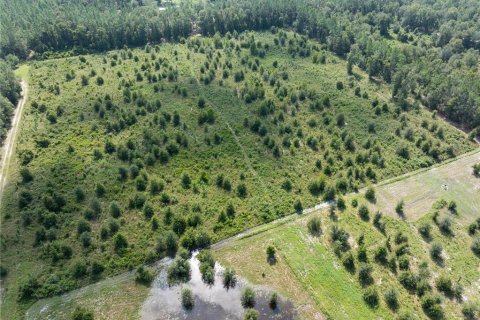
(9, 143)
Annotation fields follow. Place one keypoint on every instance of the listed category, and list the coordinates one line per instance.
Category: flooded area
(211, 301)
(120, 297)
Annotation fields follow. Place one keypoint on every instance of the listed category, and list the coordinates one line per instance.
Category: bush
(408, 280)
(251, 314)
(115, 210)
(424, 229)
(229, 278)
(476, 246)
(370, 296)
(120, 243)
(298, 206)
(391, 298)
(187, 299)
(143, 276)
(248, 298)
(82, 314)
(271, 252)
(431, 305)
(370, 194)
(363, 213)
(3, 272)
(399, 208)
(26, 175)
(470, 311)
(179, 270)
(273, 302)
(436, 250)
(349, 262)
(242, 190)
(314, 226)
(444, 284)
(364, 274)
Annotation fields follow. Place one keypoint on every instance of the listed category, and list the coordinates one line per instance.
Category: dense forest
(426, 49)
(9, 94)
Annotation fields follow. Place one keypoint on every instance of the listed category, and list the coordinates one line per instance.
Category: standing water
(210, 301)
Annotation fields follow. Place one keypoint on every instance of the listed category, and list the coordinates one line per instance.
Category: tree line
(433, 58)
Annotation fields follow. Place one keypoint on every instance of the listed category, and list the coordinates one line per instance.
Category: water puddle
(211, 301)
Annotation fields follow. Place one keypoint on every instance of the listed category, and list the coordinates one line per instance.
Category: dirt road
(9, 143)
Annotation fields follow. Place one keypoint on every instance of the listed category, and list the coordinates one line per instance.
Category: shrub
(476, 169)
(186, 181)
(273, 302)
(340, 85)
(143, 276)
(370, 194)
(82, 314)
(179, 270)
(242, 190)
(381, 255)
(470, 311)
(229, 278)
(248, 298)
(27, 176)
(408, 280)
(399, 208)
(349, 262)
(115, 210)
(271, 252)
(251, 314)
(370, 296)
(436, 250)
(187, 299)
(298, 206)
(444, 284)
(363, 213)
(476, 246)
(314, 226)
(79, 194)
(3, 272)
(364, 274)
(120, 243)
(341, 204)
(391, 298)
(86, 239)
(424, 229)
(431, 305)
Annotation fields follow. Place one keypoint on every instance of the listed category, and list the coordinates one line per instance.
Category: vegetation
(140, 142)
(9, 94)
(187, 299)
(248, 298)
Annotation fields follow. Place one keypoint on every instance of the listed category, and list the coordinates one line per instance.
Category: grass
(77, 119)
(310, 264)
(119, 297)
(452, 181)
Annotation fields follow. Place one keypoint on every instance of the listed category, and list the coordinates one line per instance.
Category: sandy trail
(9, 143)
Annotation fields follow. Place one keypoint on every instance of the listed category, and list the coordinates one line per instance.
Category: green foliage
(251, 314)
(179, 270)
(82, 314)
(229, 278)
(370, 295)
(248, 298)
(143, 275)
(188, 300)
(314, 226)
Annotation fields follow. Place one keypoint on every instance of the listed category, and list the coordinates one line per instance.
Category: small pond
(211, 301)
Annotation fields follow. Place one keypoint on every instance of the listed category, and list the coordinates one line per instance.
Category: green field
(451, 181)
(311, 265)
(281, 121)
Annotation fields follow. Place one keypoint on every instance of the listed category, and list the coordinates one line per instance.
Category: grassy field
(452, 181)
(172, 134)
(311, 266)
(119, 297)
